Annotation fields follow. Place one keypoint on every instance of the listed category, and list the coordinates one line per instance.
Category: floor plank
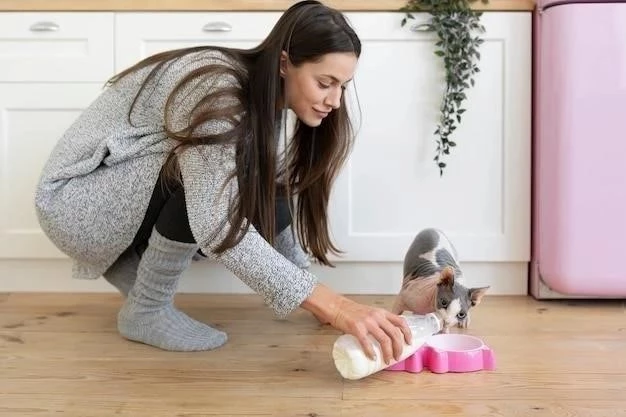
(492, 408)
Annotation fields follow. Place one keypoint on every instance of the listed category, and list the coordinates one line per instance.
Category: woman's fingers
(390, 331)
(396, 337)
(402, 325)
(364, 323)
(361, 335)
(385, 341)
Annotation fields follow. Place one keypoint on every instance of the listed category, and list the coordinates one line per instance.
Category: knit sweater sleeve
(209, 192)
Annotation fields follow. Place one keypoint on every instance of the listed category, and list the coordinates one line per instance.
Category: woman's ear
(283, 63)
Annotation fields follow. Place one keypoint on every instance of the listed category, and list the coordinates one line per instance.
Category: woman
(178, 156)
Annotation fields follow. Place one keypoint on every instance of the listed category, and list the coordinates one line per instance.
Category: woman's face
(314, 89)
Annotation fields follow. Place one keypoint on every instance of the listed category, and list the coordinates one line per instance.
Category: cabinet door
(33, 118)
(56, 47)
(391, 188)
(139, 35)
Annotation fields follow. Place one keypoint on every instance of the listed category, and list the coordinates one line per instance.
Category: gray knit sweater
(95, 188)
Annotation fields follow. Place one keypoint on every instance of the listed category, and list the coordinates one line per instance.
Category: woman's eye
(322, 85)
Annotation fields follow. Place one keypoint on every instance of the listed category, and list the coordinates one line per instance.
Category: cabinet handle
(217, 27)
(44, 27)
(423, 27)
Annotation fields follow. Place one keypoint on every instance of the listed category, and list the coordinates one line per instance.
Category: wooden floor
(60, 355)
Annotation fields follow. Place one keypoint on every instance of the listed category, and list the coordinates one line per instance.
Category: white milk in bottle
(352, 363)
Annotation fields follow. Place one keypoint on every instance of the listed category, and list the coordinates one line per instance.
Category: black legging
(167, 212)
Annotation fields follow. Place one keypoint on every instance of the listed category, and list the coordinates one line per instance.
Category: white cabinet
(70, 47)
(54, 64)
(391, 188)
(139, 35)
(34, 116)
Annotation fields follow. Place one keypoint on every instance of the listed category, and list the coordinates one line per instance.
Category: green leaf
(455, 24)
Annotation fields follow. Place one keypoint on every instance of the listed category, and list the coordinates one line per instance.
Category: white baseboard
(205, 277)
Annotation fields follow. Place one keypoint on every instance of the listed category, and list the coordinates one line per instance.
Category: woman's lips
(321, 113)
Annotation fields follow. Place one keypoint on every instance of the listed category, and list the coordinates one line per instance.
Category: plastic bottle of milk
(352, 363)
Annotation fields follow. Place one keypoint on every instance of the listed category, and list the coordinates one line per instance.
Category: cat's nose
(461, 315)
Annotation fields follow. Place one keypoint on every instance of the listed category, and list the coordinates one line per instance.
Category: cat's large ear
(476, 294)
(446, 278)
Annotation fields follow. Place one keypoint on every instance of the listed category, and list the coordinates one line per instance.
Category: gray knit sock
(123, 272)
(148, 314)
(290, 248)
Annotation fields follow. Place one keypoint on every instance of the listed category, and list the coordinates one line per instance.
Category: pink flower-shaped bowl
(448, 352)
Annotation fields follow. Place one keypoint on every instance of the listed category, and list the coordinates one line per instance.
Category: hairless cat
(433, 281)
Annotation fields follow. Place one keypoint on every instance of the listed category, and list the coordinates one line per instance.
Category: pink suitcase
(579, 150)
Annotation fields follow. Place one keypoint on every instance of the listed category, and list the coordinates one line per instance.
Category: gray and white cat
(433, 281)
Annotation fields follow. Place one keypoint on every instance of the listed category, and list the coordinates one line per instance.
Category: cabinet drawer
(387, 25)
(139, 35)
(56, 46)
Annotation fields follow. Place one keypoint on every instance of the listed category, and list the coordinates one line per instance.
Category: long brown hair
(306, 31)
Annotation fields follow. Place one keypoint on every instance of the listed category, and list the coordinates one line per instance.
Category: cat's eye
(443, 302)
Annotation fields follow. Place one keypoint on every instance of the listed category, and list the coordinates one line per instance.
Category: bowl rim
(443, 336)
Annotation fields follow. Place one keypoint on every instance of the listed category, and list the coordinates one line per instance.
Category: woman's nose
(333, 99)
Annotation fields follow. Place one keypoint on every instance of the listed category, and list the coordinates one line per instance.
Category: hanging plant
(456, 26)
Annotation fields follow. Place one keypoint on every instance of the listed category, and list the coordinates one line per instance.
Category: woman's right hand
(390, 330)
(361, 321)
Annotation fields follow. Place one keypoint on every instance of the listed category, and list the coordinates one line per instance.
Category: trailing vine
(455, 24)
